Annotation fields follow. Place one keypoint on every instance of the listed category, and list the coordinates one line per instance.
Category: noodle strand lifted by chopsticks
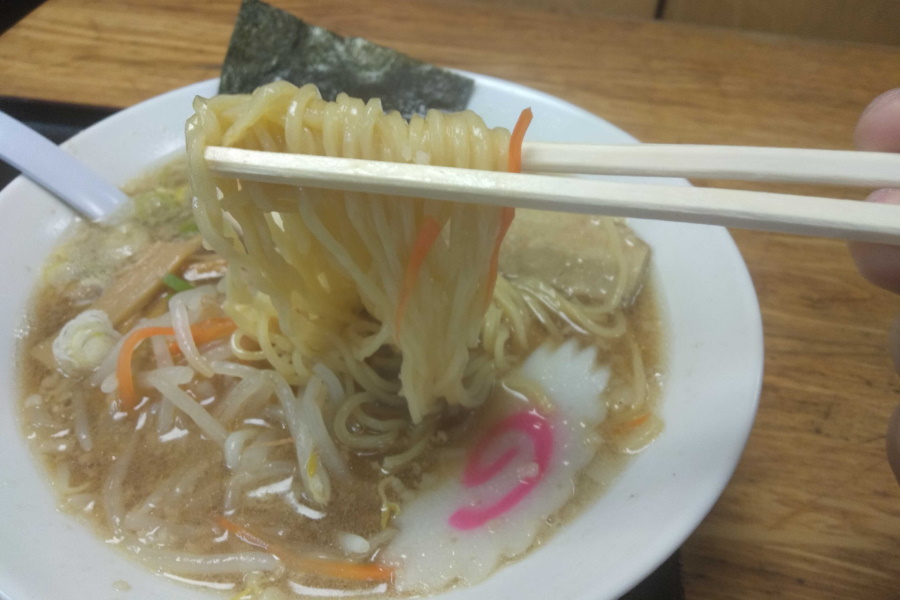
(323, 261)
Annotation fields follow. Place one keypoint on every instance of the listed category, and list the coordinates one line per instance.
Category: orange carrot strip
(516, 139)
(323, 566)
(425, 239)
(337, 568)
(242, 533)
(506, 219)
(509, 213)
(206, 332)
(632, 424)
(127, 393)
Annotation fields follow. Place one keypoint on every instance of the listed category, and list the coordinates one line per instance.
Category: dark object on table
(57, 121)
(268, 44)
(14, 11)
(663, 584)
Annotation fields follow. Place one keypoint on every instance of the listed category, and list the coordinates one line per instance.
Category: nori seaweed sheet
(269, 44)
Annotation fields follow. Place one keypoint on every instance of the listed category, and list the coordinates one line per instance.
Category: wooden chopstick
(784, 213)
(743, 163)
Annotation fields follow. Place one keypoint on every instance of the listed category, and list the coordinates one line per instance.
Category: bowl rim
(83, 144)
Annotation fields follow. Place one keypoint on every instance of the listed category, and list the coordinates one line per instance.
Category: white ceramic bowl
(714, 349)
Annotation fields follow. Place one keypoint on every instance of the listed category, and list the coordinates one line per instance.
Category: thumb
(879, 263)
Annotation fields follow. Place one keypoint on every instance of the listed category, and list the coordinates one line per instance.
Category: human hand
(878, 130)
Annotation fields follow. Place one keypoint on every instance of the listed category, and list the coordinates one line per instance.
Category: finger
(878, 129)
(880, 263)
(893, 443)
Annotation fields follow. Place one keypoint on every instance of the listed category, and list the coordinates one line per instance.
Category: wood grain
(812, 511)
(873, 21)
(634, 9)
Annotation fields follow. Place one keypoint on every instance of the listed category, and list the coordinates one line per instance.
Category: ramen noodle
(279, 390)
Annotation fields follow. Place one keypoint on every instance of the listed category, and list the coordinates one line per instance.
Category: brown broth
(355, 506)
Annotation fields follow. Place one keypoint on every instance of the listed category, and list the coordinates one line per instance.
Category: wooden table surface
(812, 511)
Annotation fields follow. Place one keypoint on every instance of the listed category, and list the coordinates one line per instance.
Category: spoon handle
(55, 170)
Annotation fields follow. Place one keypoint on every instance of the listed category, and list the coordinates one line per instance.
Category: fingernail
(887, 96)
